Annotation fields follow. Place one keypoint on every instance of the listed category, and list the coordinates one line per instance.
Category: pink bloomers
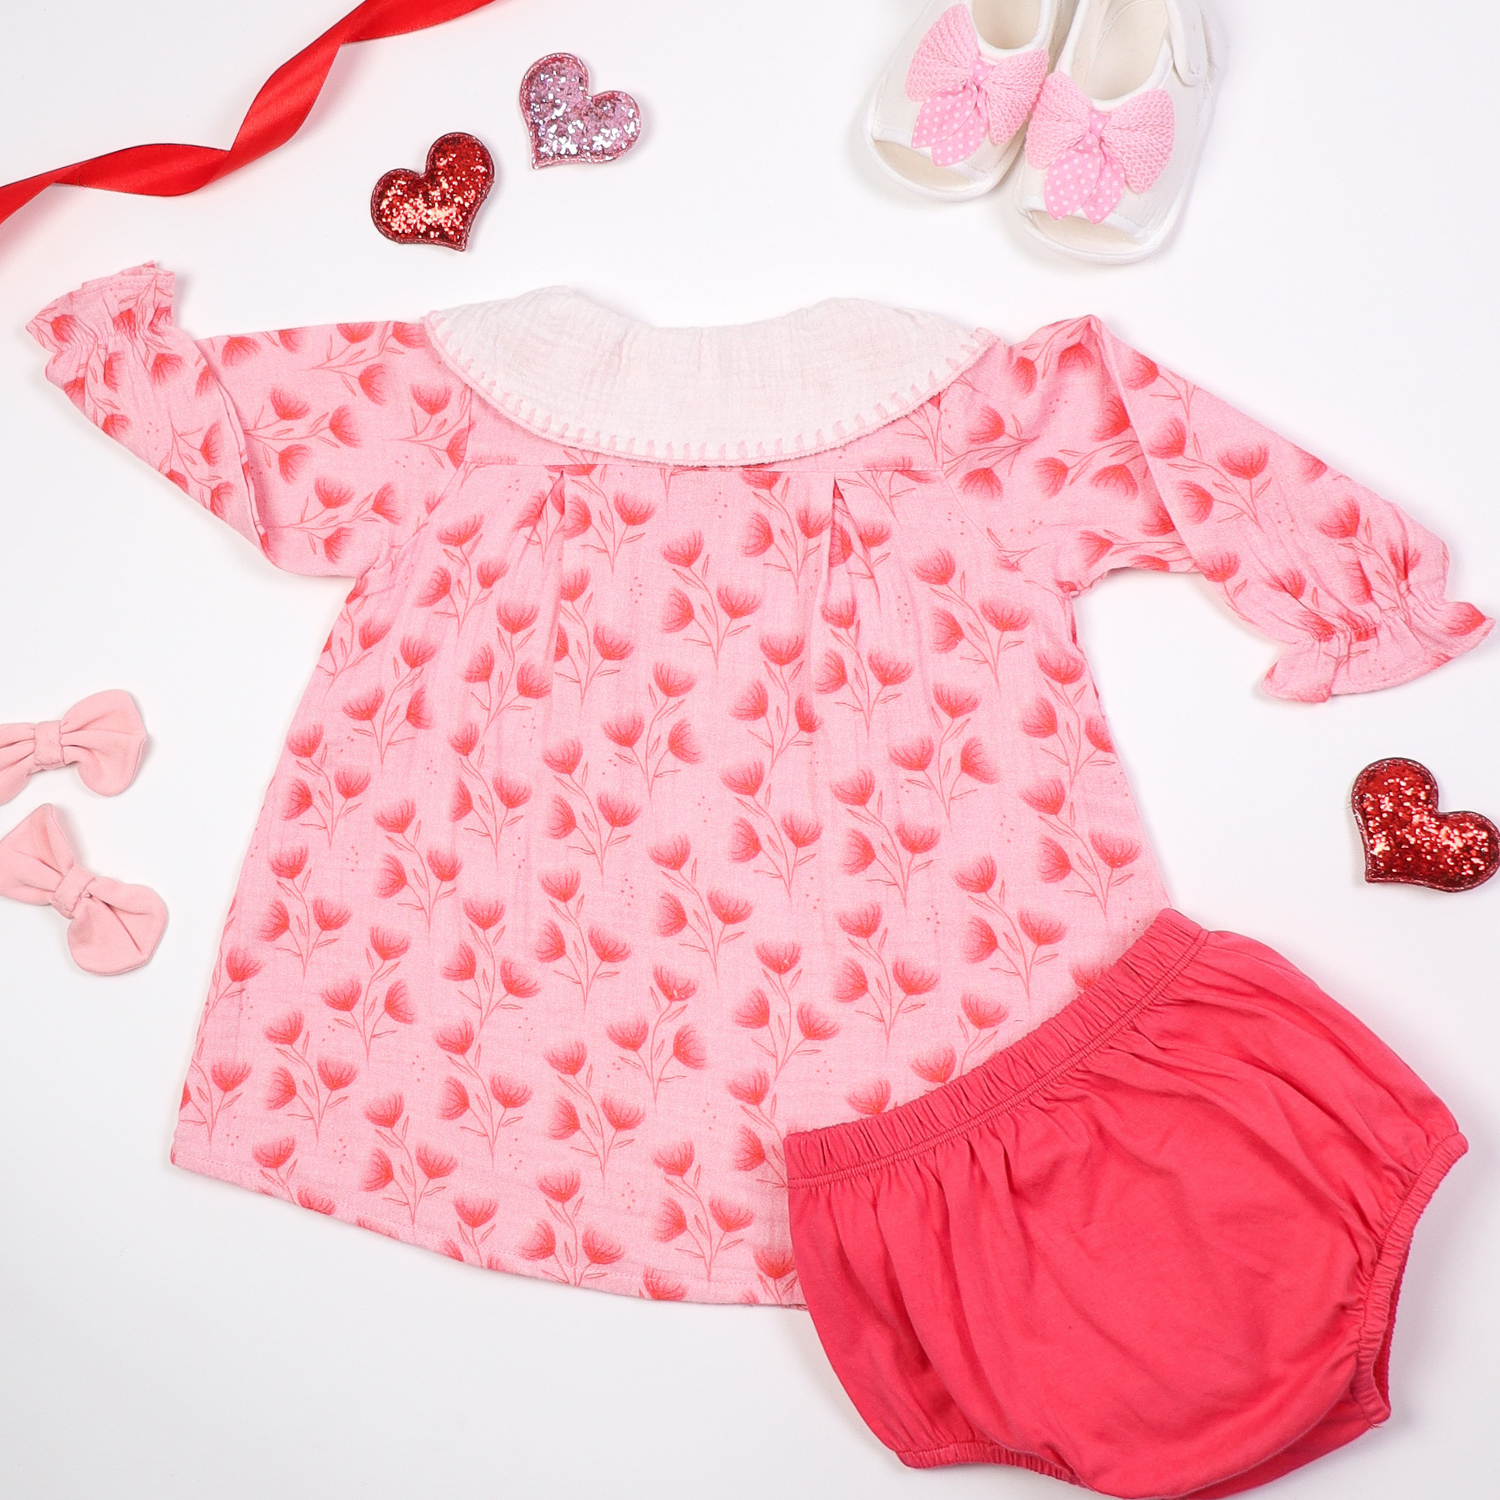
(1153, 1248)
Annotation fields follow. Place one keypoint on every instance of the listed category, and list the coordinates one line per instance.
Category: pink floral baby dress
(704, 750)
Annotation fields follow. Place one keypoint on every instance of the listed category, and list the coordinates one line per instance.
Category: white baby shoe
(1115, 135)
(947, 116)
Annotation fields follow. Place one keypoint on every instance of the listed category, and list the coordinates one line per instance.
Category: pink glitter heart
(566, 122)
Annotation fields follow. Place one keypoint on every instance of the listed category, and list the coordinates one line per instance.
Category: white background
(162, 1335)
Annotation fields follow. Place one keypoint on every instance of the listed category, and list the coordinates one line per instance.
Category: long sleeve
(1179, 480)
(323, 446)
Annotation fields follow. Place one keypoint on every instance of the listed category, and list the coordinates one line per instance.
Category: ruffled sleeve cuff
(1402, 644)
(117, 355)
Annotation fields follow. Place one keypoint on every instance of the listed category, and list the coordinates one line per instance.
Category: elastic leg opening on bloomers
(913, 1230)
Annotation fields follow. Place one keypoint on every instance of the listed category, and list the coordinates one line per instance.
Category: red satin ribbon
(274, 117)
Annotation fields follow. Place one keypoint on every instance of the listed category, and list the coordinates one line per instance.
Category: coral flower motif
(386, 1112)
(681, 745)
(561, 821)
(814, 1025)
(611, 644)
(286, 1031)
(282, 1091)
(624, 731)
(982, 1014)
(675, 1161)
(775, 1265)
(273, 1155)
(1246, 463)
(759, 538)
(677, 613)
(508, 1092)
(628, 1035)
(633, 511)
(864, 923)
(752, 704)
(671, 681)
(397, 1005)
(738, 604)
(363, 708)
(779, 958)
(277, 922)
(749, 1151)
(303, 743)
(947, 633)
(840, 613)
(855, 790)
(444, 865)
(671, 916)
(915, 838)
(671, 854)
(980, 941)
(516, 982)
(475, 1212)
(974, 762)
(511, 792)
(660, 1287)
(977, 877)
(1046, 797)
(1115, 852)
(676, 989)
(618, 812)
(610, 949)
(936, 1067)
(568, 1060)
(954, 701)
(684, 552)
(833, 675)
(753, 1012)
(336, 1073)
(456, 1038)
(688, 1049)
(730, 1217)
(289, 863)
(913, 755)
(550, 944)
(342, 997)
(228, 1076)
(396, 819)
(388, 945)
(435, 1163)
(1097, 733)
(1062, 669)
(541, 1244)
(298, 799)
(561, 885)
(744, 842)
(938, 569)
(620, 1113)
(859, 853)
(462, 804)
(671, 1222)
(850, 982)
(911, 979)
(750, 1088)
(1040, 721)
(887, 670)
(801, 831)
(730, 910)
(1043, 931)
(455, 1100)
(1005, 617)
(559, 1186)
(379, 1173)
(745, 779)
(1053, 863)
(599, 1250)
(532, 682)
(871, 1098)
(782, 650)
(574, 585)
(1220, 568)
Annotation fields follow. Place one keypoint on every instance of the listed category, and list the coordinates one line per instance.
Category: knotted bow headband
(102, 735)
(111, 927)
(1091, 156)
(964, 97)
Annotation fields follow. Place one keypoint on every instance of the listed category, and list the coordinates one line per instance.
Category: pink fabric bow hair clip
(111, 927)
(102, 735)
(1091, 156)
(964, 97)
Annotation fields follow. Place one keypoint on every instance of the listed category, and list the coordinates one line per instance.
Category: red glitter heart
(1407, 839)
(567, 123)
(435, 207)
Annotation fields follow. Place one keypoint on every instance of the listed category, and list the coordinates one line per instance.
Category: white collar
(569, 370)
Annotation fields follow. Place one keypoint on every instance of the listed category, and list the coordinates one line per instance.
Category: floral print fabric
(636, 815)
